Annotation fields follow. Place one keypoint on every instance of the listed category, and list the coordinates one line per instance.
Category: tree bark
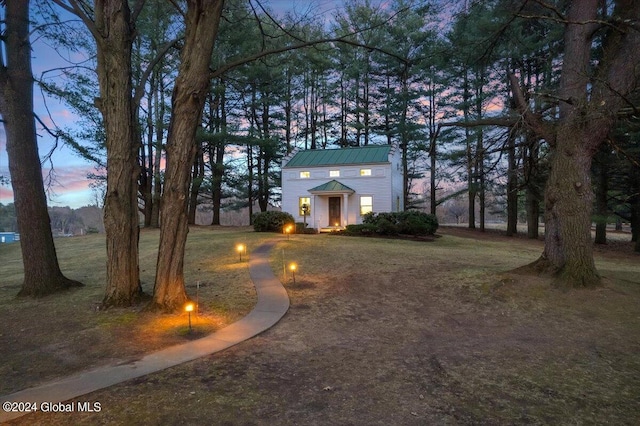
(189, 94)
(114, 34)
(159, 103)
(196, 182)
(42, 273)
(533, 187)
(568, 251)
(217, 172)
(601, 172)
(592, 92)
(512, 186)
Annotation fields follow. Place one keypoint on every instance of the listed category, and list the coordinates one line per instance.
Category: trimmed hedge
(271, 221)
(411, 222)
(302, 228)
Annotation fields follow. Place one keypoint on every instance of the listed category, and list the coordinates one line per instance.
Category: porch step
(331, 229)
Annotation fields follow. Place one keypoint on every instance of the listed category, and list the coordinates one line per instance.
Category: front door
(334, 211)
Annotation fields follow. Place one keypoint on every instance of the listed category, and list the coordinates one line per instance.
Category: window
(366, 204)
(334, 173)
(365, 172)
(304, 202)
(305, 175)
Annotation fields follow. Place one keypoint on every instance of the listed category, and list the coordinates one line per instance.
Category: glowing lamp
(293, 268)
(189, 308)
(287, 230)
(240, 248)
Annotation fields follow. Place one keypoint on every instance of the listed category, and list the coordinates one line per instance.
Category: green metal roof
(331, 157)
(332, 186)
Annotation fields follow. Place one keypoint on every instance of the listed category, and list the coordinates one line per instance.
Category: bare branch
(489, 121)
(76, 9)
(139, 91)
(552, 8)
(178, 8)
(632, 158)
(251, 58)
(137, 9)
(531, 119)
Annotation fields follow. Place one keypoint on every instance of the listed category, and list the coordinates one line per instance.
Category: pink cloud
(71, 187)
(6, 194)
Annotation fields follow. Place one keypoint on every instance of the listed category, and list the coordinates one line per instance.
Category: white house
(338, 186)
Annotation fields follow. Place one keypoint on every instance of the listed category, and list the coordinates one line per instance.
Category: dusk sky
(71, 186)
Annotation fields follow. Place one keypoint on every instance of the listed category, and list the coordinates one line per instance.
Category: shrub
(369, 217)
(411, 222)
(385, 225)
(414, 222)
(271, 221)
(302, 228)
(361, 229)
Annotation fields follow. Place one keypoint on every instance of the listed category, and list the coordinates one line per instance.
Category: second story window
(305, 175)
(365, 172)
(334, 173)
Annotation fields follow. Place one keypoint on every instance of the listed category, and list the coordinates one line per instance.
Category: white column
(345, 209)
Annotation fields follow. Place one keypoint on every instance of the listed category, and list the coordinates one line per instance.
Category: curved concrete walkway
(273, 303)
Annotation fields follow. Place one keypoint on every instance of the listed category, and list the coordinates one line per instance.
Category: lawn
(385, 331)
(46, 338)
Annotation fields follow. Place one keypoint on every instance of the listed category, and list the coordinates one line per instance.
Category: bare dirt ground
(384, 332)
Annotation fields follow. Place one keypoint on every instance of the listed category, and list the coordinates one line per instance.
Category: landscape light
(241, 248)
(287, 230)
(189, 308)
(293, 268)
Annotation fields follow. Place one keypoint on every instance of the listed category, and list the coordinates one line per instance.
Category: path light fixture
(189, 308)
(241, 248)
(287, 230)
(293, 267)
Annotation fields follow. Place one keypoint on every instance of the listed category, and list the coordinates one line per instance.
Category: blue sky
(70, 186)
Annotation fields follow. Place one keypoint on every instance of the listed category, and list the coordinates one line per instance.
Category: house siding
(384, 185)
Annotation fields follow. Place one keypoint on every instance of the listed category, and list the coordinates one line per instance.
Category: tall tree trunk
(113, 34)
(568, 203)
(512, 186)
(635, 208)
(288, 107)
(250, 166)
(433, 153)
(216, 157)
(158, 101)
(196, 183)
(147, 163)
(471, 187)
(42, 273)
(592, 94)
(481, 180)
(189, 94)
(533, 191)
(217, 173)
(601, 169)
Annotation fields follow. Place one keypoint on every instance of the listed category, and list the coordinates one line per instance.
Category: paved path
(273, 303)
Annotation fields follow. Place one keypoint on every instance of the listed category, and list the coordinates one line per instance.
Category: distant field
(612, 234)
